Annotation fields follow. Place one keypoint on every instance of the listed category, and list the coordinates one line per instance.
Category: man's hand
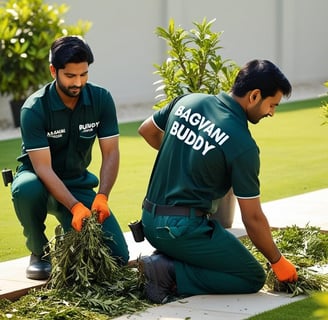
(79, 212)
(100, 205)
(284, 270)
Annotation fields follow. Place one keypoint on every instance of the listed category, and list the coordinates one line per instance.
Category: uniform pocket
(176, 227)
(86, 142)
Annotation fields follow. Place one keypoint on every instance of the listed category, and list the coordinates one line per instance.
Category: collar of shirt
(58, 103)
(232, 105)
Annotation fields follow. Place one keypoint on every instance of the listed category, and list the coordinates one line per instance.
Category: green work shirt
(207, 148)
(47, 123)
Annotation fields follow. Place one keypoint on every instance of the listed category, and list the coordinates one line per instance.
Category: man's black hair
(263, 75)
(69, 49)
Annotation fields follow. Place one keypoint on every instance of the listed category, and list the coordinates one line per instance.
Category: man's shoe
(159, 272)
(39, 268)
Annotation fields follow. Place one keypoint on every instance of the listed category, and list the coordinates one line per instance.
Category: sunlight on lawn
(293, 151)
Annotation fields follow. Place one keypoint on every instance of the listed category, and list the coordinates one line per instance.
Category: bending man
(205, 149)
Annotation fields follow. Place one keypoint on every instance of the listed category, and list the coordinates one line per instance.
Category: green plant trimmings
(307, 248)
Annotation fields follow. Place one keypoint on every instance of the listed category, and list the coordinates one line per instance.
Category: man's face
(72, 78)
(263, 108)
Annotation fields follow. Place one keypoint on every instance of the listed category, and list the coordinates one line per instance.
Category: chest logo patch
(88, 127)
(56, 133)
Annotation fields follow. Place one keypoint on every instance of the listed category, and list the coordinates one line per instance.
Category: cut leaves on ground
(307, 249)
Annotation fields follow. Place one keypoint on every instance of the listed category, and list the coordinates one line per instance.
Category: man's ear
(52, 71)
(255, 96)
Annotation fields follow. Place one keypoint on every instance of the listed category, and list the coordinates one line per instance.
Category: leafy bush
(193, 64)
(27, 29)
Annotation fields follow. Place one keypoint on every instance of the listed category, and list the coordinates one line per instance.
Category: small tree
(194, 64)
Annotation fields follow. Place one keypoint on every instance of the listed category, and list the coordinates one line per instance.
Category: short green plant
(193, 63)
(27, 29)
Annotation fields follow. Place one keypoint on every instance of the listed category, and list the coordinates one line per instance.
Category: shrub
(27, 29)
(193, 63)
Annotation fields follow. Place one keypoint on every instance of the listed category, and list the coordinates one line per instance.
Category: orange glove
(100, 205)
(284, 270)
(79, 212)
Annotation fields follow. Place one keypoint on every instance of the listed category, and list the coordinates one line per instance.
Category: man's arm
(258, 228)
(108, 174)
(110, 164)
(259, 232)
(151, 133)
(41, 161)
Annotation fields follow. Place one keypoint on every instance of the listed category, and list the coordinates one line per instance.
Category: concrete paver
(308, 208)
(13, 283)
(215, 307)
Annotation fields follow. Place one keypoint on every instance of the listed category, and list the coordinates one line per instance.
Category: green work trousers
(207, 258)
(32, 203)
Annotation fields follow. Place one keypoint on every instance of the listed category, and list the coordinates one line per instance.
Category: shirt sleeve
(108, 124)
(245, 174)
(34, 134)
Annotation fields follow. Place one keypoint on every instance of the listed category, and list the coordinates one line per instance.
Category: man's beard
(72, 91)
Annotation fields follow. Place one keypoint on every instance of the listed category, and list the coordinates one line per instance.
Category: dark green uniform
(207, 149)
(47, 123)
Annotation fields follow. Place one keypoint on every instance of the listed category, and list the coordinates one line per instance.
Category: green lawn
(294, 152)
(294, 159)
(302, 309)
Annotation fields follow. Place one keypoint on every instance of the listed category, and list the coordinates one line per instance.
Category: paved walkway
(309, 208)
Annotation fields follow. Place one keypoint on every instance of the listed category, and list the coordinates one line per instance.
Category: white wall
(288, 32)
(124, 45)
(305, 46)
(245, 25)
(291, 33)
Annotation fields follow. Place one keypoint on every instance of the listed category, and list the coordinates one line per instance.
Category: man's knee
(27, 185)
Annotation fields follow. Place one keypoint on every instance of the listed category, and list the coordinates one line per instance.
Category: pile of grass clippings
(86, 281)
(307, 249)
